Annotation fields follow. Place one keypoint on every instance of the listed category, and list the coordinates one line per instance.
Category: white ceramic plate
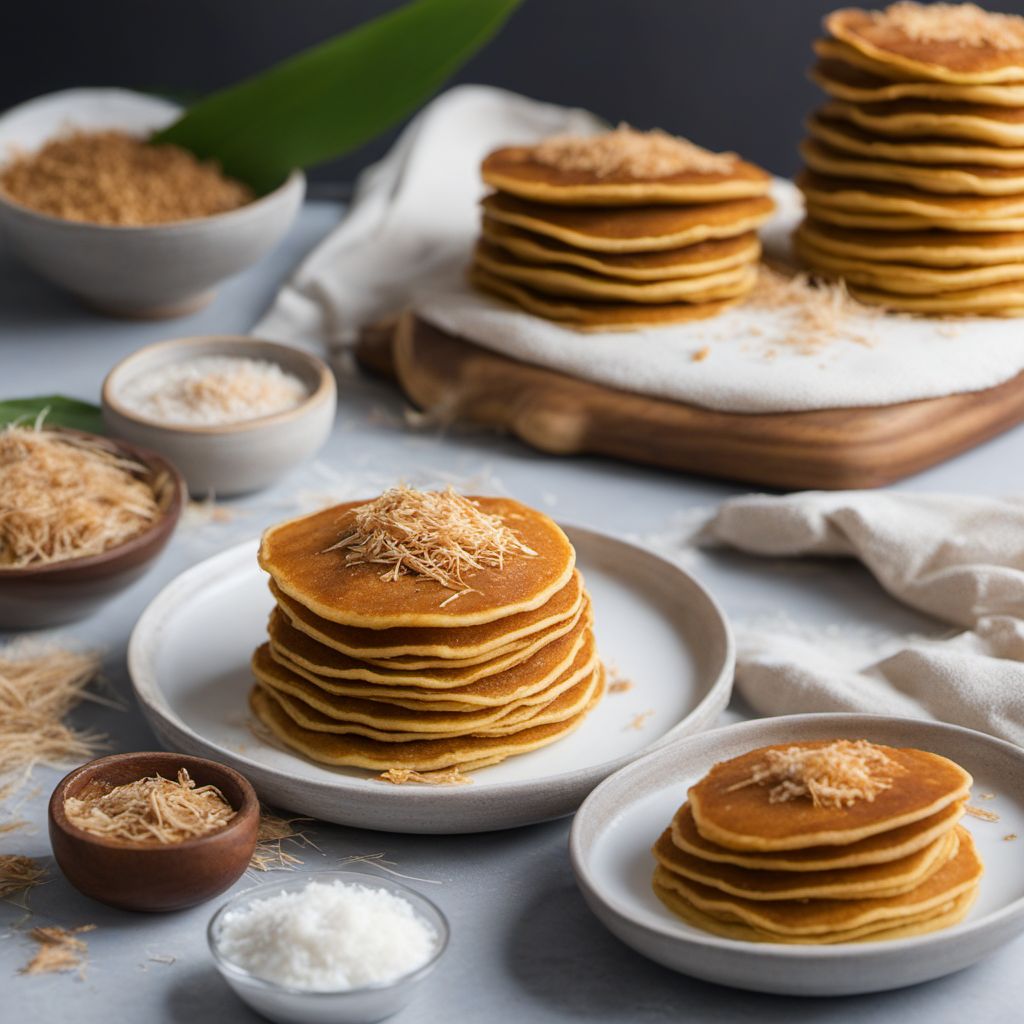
(189, 662)
(618, 823)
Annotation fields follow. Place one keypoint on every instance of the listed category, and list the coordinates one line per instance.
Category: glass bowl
(362, 1005)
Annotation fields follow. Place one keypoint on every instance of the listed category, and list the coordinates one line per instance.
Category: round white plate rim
(156, 708)
(757, 727)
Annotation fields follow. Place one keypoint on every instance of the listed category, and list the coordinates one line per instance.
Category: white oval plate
(619, 822)
(189, 662)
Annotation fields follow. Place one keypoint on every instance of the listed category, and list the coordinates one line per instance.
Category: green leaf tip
(337, 95)
(60, 411)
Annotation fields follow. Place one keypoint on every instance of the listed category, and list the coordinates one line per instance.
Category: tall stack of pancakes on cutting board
(621, 230)
(915, 167)
(821, 842)
(424, 631)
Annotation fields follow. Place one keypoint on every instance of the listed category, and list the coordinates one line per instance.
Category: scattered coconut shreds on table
(981, 813)
(59, 950)
(817, 312)
(273, 832)
(16, 825)
(438, 535)
(1009, 837)
(441, 777)
(39, 686)
(380, 860)
(639, 721)
(19, 874)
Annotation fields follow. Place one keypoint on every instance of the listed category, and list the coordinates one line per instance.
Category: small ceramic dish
(232, 458)
(619, 822)
(362, 1005)
(38, 596)
(155, 877)
(148, 271)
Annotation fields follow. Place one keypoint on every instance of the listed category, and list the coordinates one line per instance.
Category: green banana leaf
(60, 412)
(338, 95)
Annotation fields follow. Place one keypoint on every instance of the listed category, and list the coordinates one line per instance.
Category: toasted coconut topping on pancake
(834, 775)
(439, 535)
(961, 24)
(653, 154)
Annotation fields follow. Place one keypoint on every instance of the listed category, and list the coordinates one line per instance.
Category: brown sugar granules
(111, 177)
(960, 24)
(653, 154)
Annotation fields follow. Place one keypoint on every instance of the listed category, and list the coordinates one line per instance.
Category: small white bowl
(151, 271)
(233, 458)
(363, 1005)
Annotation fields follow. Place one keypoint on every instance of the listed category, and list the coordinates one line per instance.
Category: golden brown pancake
(396, 725)
(807, 918)
(854, 84)
(848, 138)
(943, 60)
(439, 647)
(732, 813)
(296, 555)
(1006, 300)
(408, 717)
(420, 755)
(552, 279)
(892, 878)
(904, 278)
(895, 200)
(994, 125)
(861, 220)
(586, 315)
(926, 248)
(325, 662)
(689, 261)
(953, 179)
(913, 924)
(876, 849)
(631, 228)
(513, 170)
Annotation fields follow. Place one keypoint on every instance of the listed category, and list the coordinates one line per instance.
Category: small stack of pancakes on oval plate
(821, 843)
(915, 167)
(424, 632)
(620, 231)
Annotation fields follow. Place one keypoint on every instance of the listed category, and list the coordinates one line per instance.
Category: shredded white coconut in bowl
(328, 937)
(212, 391)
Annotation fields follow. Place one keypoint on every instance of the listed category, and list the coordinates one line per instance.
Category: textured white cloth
(960, 559)
(408, 238)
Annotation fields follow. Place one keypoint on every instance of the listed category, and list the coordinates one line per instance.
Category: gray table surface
(525, 947)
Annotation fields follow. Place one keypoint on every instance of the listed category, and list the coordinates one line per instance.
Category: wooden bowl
(160, 877)
(37, 596)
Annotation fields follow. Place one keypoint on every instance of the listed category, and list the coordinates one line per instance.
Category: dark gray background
(730, 74)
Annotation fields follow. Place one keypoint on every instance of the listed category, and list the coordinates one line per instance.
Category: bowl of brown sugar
(153, 831)
(133, 229)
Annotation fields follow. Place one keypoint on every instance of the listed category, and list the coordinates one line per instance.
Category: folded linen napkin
(408, 237)
(957, 558)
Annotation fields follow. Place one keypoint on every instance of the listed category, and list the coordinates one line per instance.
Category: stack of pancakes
(740, 862)
(380, 670)
(620, 231)
(915, 168)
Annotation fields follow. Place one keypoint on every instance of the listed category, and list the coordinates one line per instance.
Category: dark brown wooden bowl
(162, 876)
(39, 596)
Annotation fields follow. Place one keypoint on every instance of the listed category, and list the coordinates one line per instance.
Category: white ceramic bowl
(362, 1005)
(152, 271)
(234, 458)
(617, 824)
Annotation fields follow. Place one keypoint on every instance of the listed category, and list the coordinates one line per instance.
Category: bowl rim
(230, 968)
(323, 392)
(249, 806)
(166, 523)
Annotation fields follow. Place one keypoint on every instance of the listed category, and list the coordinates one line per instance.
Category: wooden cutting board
(454, 380)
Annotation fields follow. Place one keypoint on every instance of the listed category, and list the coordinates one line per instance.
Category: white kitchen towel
(959, 559)
(408, 237)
